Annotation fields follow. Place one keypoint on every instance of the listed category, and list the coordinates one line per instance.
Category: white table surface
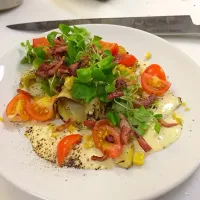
(38, 10)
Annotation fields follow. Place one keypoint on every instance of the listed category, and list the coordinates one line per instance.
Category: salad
(96, 105)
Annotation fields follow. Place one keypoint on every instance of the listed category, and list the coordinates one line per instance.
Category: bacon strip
(115, 94)
(97, 158)
(126, 132)
(64, 126)
(73, 68)
(48, 70)
(145, 102)
(120, 83)
(125, 129)
(166, 124)
(145, 146)
(89, 124)
(59, 41)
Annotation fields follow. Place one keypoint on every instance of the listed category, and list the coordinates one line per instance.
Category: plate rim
(160, 192)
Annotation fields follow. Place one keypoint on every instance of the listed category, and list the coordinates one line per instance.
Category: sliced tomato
(15, 110)
(126, 59)
(65, 146)
(154, 85)
(101, 130)
(40, 42)
(89, 124)
(156, 70)
(113, 47)
(41, 109)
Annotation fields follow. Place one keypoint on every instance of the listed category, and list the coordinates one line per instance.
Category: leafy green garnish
(110, 87)
(51, 36)
(77, 40)
(157, 127)
(158, 116)
(105, 63)
(83, 92)
(28, 59)
(50, 86)
(98, 75)
(37, 62)
(96, 40)
(65, 29)
(142, 114)
(113, 117)
(84, 75)
(39, 52)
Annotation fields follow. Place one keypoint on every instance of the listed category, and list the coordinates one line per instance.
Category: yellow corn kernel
(177, 118)
(55, 135)
(122, 50)
(88, 141)
(26, 135)
(187, 109)
(138, 158)
(121, 67)
(1, 119)
(148, 56)
(133, 68)
(183, 104)
(71, 128)
(51, 126)
(69, 81)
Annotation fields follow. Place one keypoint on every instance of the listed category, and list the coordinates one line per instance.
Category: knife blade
(158, 25)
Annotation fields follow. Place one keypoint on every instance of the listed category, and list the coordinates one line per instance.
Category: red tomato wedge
(113, 47)
(40, 42)
(65, 146)
(15, 110)
(156, 70)
(154, 85)
(126, 59)
(40, 109)
(101, 130)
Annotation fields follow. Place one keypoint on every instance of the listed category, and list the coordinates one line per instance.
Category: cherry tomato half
(40, 42)
(101, 130)
(113, 47)
(127, 60)
(154, 85)
(40, 109)
(15, 110)
(65, 146)
(156, 70)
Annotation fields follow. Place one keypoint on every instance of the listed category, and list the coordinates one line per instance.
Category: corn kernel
(1, 119)
(121, 67)
(26, 135)
(88, 141)
(187, 109)
(183, 104)
(55, 135)
(138, 158)
(122, 50)
(71, 128)
(177, 118)
(51, 126)
(69, 81)
(148, 56)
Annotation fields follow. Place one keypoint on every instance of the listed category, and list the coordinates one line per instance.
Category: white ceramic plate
(162, 171)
